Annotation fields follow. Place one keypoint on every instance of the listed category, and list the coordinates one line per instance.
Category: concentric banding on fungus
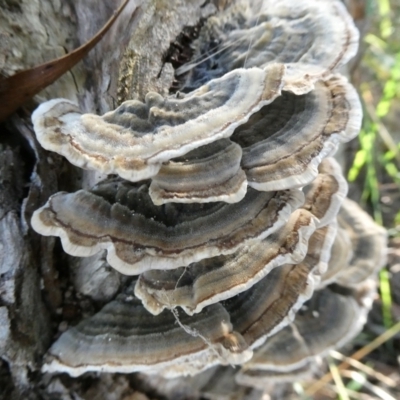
(136, 138)
(215, 279)
(123, 338)
(208, 173)
(269, 305)
(284, 143)
(140, 140)
(325, 195)
(327, 321)
(138, 236)
(314, 38)
(368, 241)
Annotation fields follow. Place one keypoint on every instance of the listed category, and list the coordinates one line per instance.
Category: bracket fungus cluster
(225, 204)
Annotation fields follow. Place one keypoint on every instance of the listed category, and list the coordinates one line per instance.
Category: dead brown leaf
(22, 86)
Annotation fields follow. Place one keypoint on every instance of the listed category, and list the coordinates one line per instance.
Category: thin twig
(353, 394)
(377, 391)
(358, 355)
(338, 381)
(364, 368)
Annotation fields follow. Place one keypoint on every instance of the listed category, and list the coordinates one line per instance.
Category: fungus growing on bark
(249, 150)
(218, 278)
(215, 279)
(117, 338)
(284, 142)
(327, 321)
(208, 173)
(312, 38)
(121, 218)
(137, 137)
(124, 337)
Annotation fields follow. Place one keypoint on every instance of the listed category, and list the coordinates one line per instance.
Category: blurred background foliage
(376, 165)
(375, 170)
(372, 161)
(377, 161)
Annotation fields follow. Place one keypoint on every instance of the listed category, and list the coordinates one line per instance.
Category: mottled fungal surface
(206, 174)
(218, 278)
(330, 319)
(215, 279)
(225, 201)
(124, 337)
(263, 378)
(279, 295)
(324, 238)
(284, 142)
(138, 236)
(137, 137)
(313, 38)
(325, 195)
